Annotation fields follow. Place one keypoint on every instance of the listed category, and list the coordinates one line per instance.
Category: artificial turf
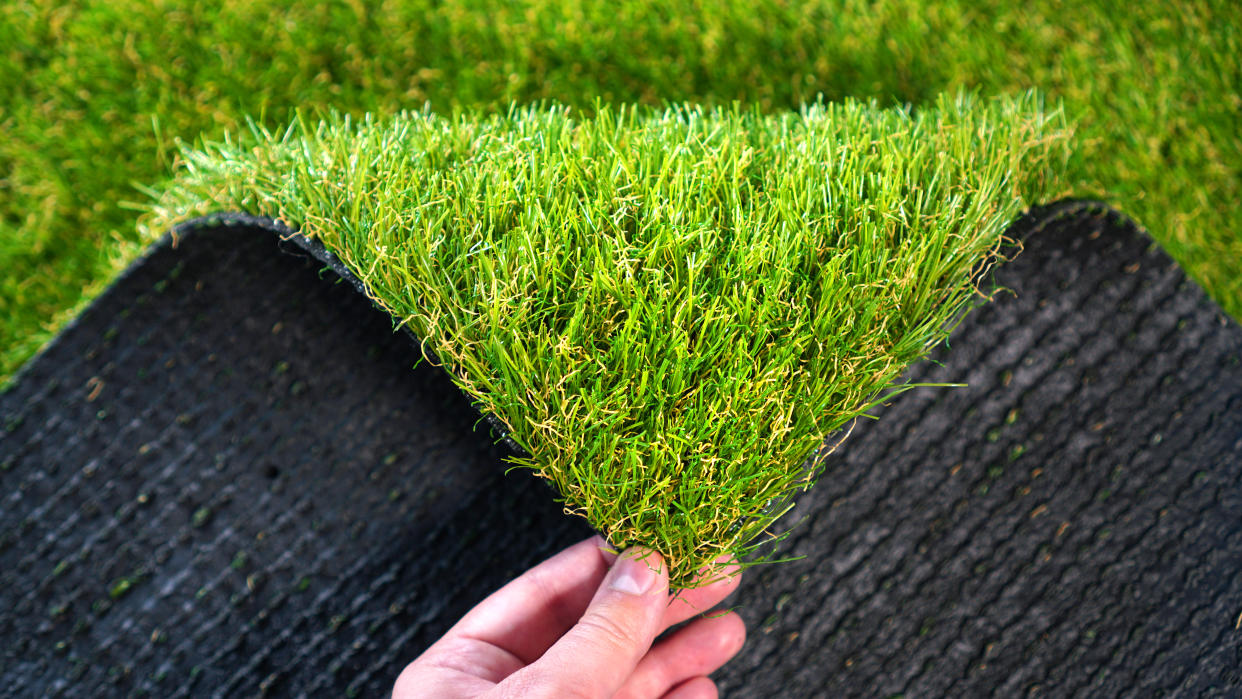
(93, 95)
(668, 310)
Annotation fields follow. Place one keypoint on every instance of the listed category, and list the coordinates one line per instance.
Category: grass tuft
(669, 310)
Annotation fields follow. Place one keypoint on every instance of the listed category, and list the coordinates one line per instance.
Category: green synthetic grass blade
(669, 311)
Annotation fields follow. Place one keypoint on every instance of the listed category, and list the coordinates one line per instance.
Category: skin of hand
(582, 624)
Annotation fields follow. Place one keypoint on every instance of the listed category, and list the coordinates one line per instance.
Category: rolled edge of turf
(292, 242)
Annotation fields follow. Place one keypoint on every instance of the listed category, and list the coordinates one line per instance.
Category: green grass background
(93, 96)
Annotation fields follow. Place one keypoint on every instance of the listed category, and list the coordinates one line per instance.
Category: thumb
(597, 655)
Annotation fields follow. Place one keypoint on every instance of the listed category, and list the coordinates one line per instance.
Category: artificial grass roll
(668, 310)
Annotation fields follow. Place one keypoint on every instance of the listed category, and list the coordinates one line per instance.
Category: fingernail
(634, 576)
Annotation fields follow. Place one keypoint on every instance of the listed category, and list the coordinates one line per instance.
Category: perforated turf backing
(225, 478)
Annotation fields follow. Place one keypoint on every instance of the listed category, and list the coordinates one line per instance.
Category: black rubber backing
(226, 479)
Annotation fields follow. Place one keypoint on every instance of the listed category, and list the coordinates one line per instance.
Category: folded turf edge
(666, 310)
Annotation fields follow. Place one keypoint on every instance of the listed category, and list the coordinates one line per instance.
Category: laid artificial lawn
(93, 94)
(668, 310)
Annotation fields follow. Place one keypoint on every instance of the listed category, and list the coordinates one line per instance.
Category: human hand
(581, 624)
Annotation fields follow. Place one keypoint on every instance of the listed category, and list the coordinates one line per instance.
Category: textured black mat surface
(225, 478)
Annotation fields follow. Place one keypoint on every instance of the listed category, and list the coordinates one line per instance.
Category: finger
(697, 688)
(700, 648)
(458, 668)
(597, 655)
(688, 603)
(529, 614)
